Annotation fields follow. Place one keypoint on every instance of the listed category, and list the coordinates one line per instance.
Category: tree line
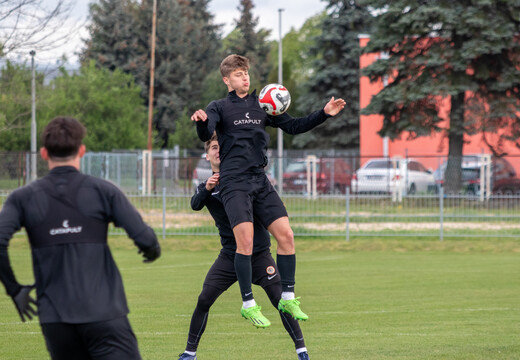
(462, 51)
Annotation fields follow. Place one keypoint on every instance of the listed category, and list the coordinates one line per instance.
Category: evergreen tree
(336, 73)
(186, 43)
(113, 41)
(464, 52)
(246, 41)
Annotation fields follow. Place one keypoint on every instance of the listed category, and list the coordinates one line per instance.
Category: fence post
(441, 213)
(347, 204)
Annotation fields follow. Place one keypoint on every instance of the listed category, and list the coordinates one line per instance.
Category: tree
(186, 43)
(113, 37)
(297, 67)
(16, 104)
(336, 73)
(33, 25)
(246, 41)
(107, 102)
(465, 53)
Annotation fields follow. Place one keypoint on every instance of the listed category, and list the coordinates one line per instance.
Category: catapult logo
(247, 121)
(66, 229)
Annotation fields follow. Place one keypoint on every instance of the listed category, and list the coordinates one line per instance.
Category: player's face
(238, 80)
(213, 155)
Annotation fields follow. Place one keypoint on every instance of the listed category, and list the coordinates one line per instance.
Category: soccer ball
(274, 99)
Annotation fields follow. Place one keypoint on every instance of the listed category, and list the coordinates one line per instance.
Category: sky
(225, 12)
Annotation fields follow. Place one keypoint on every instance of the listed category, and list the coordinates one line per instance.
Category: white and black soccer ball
(274, 99)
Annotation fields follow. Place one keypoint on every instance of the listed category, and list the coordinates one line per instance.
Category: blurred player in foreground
(80, 297)
(222, 274)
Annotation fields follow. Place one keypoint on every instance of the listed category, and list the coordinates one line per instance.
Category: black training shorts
(104, 340)
(222, 273)
(251, 194)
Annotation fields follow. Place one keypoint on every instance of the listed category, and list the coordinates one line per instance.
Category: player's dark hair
(233, 62)
(63, 136)
(208, 143)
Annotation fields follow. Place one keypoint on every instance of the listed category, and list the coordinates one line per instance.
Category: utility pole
(33, 118)
(279, 131)
(152, 76)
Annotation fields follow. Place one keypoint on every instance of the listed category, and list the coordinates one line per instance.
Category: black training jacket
(66, 216)
(212, 200)
(240, 125)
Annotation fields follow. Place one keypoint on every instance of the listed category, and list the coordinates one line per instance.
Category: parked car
(503, 174)
(390, 175)
(333, 175)
(203, 172)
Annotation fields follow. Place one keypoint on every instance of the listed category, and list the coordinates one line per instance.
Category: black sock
(244, 275)
(287, 268)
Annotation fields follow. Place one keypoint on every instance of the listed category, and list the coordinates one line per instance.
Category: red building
(428, 149)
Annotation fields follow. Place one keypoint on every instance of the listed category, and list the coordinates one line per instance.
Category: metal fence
(325, 194)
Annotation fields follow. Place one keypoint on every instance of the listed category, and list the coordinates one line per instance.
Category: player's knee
(204, 303)
(285, 239)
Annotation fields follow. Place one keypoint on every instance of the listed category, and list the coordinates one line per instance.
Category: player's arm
(125, 215)
(10, 222)
(294, 126)
(206, 121)
(203, 192)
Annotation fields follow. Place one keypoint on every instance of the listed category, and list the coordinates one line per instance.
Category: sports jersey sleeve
(126, 216)
(294, 126)
(198, 200)
(10, 223)
(206, 128)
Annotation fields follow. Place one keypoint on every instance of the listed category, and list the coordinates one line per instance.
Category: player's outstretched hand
(333, 107)
(24, 302)
(151, 254)
(199, 115)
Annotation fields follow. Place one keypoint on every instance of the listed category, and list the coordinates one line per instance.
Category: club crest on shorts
(270, 270)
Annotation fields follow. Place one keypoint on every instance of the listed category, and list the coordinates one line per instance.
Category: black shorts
(104, 340)
(251, 194)
(222, 273)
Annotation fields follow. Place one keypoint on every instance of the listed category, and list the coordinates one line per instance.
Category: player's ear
(226, 80)
(82, 150)
(44, 153)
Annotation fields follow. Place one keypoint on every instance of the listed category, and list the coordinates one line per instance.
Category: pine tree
(114, 42)
(186, 44)
(336, 73)
(246, 41)
(465, 52)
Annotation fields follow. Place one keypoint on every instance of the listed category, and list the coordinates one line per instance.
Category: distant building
(429, 149)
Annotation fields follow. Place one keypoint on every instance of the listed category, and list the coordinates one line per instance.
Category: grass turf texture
(367, 299)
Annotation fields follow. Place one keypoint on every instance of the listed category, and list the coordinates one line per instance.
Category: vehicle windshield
(382, 164)
(300, 166)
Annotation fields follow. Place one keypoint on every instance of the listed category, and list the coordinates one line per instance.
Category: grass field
(367, 299)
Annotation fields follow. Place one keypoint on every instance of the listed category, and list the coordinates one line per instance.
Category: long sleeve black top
(66, 215)
(240, 125)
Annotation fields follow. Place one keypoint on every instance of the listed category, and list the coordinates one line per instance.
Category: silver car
(386, 175)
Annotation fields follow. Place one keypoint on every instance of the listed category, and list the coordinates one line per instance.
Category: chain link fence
(326, 193)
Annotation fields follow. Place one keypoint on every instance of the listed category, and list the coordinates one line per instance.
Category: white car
(391, 175)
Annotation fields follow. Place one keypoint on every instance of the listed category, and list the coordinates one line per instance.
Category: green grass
(367, 299)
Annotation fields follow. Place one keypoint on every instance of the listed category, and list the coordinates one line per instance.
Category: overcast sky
(225, 11)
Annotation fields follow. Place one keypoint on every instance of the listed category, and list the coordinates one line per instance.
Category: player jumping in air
(240, 123)
(222, 274)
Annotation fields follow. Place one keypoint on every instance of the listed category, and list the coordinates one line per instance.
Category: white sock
(192, 353)
(287, 295)
(300, 350)
(249, 303)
